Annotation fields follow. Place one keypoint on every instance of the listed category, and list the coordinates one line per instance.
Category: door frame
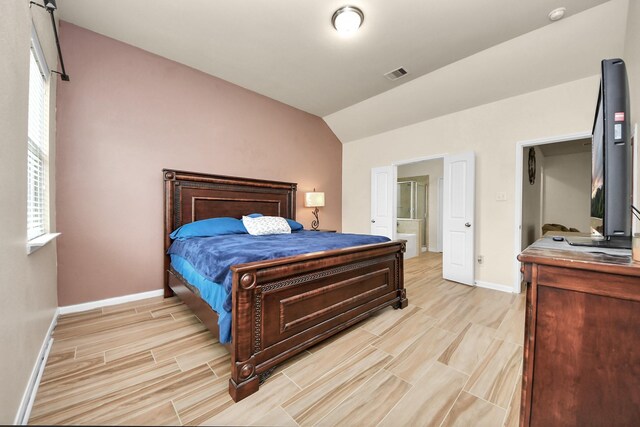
(394, 195)
(440, 225)
(520, 146)
(636, 186)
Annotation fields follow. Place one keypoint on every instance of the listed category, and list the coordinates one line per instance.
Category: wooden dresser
(582, 338)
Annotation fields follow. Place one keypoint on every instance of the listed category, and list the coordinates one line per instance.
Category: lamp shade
(314, 199)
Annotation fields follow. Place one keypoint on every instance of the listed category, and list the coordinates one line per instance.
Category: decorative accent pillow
(295, 225)
(263, 225)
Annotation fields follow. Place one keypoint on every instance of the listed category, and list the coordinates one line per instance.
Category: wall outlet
(480, 259)
(501, 196)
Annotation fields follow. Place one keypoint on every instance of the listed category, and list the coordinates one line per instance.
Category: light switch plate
(501, 196)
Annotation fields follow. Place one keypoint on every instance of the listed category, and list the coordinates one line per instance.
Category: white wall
(27, 283)
(434, 169)
(532, 198)
(632, 60)
(492, 131)
(565, 55)
(561, 52)
(567, 187)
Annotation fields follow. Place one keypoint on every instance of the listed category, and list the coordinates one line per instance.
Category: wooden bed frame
(281, 306)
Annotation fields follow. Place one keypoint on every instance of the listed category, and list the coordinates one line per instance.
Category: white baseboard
(110, 301)
(494, 286)
(24, 410)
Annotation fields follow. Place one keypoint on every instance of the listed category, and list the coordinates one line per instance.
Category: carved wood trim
(177, 175)
(230, 187)
(322, 273)
(257, 325)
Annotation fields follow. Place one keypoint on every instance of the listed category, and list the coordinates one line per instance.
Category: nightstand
(324, 231)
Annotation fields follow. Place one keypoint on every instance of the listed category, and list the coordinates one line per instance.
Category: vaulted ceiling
(288, 50)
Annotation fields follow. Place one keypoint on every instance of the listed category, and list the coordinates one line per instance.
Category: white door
(382, 204)
(458, 218)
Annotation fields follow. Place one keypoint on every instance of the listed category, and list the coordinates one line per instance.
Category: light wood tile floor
(452, 357)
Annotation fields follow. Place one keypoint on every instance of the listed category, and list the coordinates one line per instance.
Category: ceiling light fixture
(557, 14)
(347, 20)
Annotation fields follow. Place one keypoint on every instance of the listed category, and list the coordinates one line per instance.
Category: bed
(279, 307)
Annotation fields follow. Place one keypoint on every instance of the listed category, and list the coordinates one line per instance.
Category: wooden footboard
(283, 306)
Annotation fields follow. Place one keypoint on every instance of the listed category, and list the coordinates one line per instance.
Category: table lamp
(314, 199)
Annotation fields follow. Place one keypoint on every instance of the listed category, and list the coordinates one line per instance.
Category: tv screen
(597, 174)
(611, 155)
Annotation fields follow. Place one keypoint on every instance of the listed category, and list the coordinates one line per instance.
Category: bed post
(402, 292)
(244, 380)
(169, 183)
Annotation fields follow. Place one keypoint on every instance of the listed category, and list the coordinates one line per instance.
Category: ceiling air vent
(396, 74)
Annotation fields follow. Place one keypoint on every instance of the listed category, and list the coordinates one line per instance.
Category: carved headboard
(190, 196)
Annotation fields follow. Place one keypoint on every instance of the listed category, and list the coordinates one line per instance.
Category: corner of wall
(30, 280)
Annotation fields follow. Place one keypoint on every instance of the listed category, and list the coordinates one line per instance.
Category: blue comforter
(212, 257)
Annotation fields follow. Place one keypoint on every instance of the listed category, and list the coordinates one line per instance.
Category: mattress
(211, 292)
(208, 260)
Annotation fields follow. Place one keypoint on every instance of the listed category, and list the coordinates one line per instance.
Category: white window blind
(37, 148)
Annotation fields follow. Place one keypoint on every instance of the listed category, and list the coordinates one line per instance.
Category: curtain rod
(50, 6)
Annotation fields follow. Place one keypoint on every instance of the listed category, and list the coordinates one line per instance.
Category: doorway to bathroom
(450, 212)
(419, 206)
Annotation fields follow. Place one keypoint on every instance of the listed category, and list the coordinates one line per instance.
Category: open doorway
(553, 185)
(556, 196)
(419, 206)
(456, 197)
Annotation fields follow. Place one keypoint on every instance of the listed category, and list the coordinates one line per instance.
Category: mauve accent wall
(125, 115)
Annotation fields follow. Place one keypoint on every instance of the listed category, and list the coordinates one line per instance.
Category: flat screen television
(611, 167)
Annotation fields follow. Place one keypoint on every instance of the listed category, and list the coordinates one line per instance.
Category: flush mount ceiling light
(557, 14)
(347, 20)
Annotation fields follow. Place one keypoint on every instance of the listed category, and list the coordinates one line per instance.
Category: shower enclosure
(412, 209)
(412, 200)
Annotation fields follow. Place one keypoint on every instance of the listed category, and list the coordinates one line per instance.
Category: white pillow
(266, 225)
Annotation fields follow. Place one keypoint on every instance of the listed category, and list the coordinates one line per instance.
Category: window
(37, 144)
